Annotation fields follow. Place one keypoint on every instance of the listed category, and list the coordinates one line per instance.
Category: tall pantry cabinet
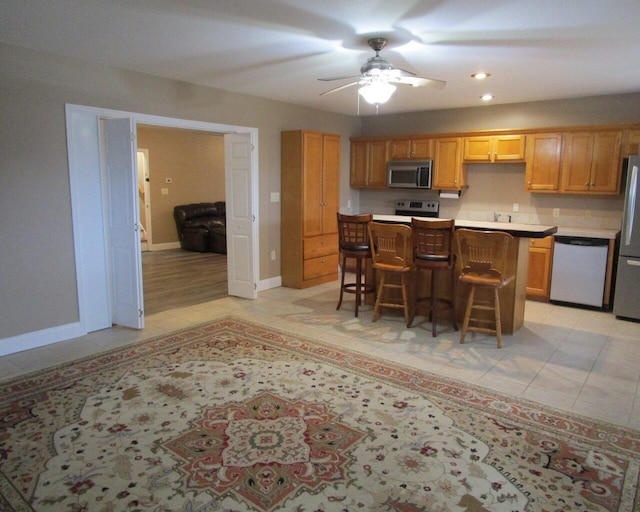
(310, 194)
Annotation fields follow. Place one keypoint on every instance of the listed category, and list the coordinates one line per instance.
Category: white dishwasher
(579, 270)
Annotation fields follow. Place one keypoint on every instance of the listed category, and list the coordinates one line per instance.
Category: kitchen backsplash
(499, 189)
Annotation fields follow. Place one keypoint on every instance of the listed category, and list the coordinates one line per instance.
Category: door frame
(87, 176)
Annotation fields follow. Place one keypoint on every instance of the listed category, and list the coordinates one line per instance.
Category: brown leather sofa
(202, 227)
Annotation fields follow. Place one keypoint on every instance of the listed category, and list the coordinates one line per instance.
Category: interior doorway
(91, 219)
(144, 198)
(176, 167)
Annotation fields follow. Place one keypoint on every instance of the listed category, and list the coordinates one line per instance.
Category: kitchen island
(512, 296)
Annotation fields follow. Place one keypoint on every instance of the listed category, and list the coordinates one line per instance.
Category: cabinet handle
(489, 155)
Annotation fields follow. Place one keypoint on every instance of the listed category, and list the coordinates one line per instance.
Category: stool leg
(453, 277)
(358, 283)
(376, 309)
(408, 316)
(496, 307)
(344, 265)
(434, 304)
(467, 314)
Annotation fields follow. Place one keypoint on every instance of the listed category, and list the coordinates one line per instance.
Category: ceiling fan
(378, 75)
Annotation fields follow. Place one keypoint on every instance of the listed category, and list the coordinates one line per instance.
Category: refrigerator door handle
(633, 263)
(631, 205)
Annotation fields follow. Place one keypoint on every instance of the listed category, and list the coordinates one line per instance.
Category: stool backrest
(433, 240)
(391, 244)
(352, 231)
(484, 254)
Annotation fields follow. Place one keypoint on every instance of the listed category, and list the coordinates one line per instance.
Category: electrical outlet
(516, 207)
(275, 197)
(273, 255)
(556, 212)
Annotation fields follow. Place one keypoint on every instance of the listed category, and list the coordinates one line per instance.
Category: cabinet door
(508, 148)
(543, 161)
(422, 148)
(478, 149)
(399, 149)
(576, 162)
(448, 163)
(312, 183)
(539, 272)
(605, 162)
(377, 168)
(359, 164)
(330, 182)
(630, 143)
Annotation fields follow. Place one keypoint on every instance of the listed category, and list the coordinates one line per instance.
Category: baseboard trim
(164, 247)
(41, 338)
(267, 284)
(45, 337)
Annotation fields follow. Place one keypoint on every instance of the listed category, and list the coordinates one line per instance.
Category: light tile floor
(582, 361)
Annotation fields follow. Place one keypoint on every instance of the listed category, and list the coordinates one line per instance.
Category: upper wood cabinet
(591, 162)
(494, 148)
(448, 173)
(630, 143)
(369, 164)
(410, 148)
(544, 151)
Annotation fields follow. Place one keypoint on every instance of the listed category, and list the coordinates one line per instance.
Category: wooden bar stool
(353, 237)
(483, 262)
(433, 250)
(392, 254)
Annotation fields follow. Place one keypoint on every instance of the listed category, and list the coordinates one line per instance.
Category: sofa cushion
(190, 211)
(205, 222)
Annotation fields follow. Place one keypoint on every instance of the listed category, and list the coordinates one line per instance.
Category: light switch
(275, 197)
(164, 191)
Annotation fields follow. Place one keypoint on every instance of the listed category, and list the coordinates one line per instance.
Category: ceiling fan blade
(338, 78)
(417, 81)
(335, 89)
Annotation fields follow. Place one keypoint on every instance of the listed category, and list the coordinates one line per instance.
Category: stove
(413, 208)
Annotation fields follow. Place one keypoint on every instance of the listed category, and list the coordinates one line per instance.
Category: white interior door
(241, 216)
(123, 223)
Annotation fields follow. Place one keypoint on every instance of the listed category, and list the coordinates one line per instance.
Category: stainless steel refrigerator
(626, 302)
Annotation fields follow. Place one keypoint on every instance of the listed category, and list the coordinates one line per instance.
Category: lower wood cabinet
(539, 273)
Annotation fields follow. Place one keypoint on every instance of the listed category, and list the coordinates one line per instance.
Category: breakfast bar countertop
(513, 228)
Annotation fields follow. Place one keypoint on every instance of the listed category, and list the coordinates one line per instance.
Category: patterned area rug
(234, 416)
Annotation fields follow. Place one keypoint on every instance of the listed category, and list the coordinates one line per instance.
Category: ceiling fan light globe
(377, 93)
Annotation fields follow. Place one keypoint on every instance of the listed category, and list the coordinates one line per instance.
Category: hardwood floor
(176, 278)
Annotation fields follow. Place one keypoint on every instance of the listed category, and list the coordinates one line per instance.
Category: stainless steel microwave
(409, 173)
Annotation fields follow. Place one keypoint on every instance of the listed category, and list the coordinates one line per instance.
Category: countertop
(609, 234)
(514, 228)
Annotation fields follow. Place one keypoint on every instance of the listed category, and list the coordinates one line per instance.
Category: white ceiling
(277, 49)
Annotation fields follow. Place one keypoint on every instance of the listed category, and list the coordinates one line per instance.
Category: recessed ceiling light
(486, 97)
(480, 76)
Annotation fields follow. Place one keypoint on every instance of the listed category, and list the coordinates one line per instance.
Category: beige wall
(37, 276)
(193, 161)
(37, 263)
